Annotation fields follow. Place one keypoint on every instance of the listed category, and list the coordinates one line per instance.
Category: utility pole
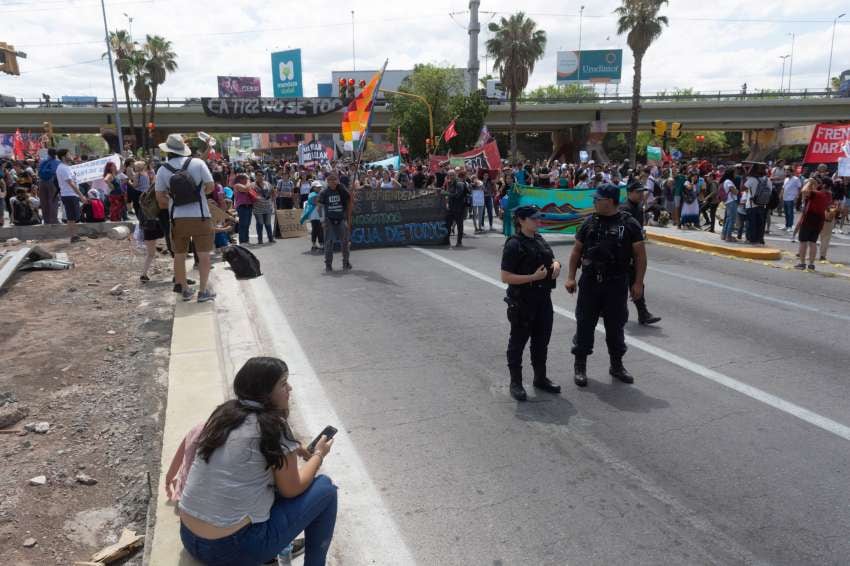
(112, 76)
(474, 30)
(782, 77)
(791, 63)
(580, 20)
(353, 54)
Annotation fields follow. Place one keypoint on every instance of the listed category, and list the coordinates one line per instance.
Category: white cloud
(706, 47)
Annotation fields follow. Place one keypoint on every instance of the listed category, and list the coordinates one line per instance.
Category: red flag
(18, 145)
(451, 132)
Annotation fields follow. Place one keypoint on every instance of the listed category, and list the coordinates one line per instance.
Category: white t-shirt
(63, 176)
(792, 188)
(200, 174)
(729, 186)
(752, 185)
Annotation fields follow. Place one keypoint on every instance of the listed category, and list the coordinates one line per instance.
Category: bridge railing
(662, 96)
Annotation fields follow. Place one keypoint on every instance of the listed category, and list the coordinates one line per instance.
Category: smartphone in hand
(329, 432)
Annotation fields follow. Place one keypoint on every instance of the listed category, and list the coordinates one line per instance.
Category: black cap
(636, 186)
(530, 211)
(608, 191)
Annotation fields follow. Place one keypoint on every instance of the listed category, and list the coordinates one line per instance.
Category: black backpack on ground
(243, 263)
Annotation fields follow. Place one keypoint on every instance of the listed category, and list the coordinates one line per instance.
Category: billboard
(241, 87)
(602, 66)
(286, 74)
(79, 100)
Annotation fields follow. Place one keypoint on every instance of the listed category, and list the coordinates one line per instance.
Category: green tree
(122, 50)
(714, 142)
(160, 60)
(141, 89)
(640, 20)
(471, 112)
(515, 47)
(438, 85)
(568, 92)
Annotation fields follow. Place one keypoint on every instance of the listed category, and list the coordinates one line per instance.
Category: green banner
(562, 211)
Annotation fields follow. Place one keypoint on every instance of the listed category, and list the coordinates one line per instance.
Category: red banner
(829, 143)
(486, 157)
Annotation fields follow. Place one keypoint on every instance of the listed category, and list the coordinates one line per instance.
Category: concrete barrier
(735, 250)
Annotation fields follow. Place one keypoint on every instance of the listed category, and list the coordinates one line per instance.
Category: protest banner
(238, 108)
(485, 157)
(289, 223)
(312, 153)
(91, 170)
(395, 161)
(829, 143)
(561, 211)
(390, 217)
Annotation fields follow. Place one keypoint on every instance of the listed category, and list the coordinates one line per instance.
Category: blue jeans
(730, 219)
(245, 212)
(788, 207)
(313, 512)
(264, 219)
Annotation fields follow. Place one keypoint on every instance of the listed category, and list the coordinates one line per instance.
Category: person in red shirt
(817, 197)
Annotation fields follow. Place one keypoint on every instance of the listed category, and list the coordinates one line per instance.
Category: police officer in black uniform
(606, 244)
(634, 206)
(530, 270)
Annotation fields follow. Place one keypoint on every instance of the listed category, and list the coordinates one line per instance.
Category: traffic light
(9, 60)
(700, 138)
(659, 127)
(675, 130)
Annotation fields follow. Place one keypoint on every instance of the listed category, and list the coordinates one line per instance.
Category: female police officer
(530, 270)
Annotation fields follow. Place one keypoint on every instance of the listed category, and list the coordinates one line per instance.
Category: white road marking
(769, 399)
(788, 240)
(760, 296)
(370, 534)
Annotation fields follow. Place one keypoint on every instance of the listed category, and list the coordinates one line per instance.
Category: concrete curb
(736, 251)
(59, 231)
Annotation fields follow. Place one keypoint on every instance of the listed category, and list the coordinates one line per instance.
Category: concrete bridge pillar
(762, 143)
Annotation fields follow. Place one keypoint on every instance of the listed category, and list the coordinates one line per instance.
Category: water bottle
(284, 557)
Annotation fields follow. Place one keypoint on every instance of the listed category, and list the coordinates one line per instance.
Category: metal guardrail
(719, 96)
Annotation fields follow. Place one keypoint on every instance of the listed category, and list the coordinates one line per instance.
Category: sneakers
(207, 295)
(347, 266)
(811, 267)
(144, 278)
(800, 266)
(187, 293)
(518, 391)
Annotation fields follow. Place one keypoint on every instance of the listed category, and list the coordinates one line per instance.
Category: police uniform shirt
(635, 210)
(621, 227)
(517, 249)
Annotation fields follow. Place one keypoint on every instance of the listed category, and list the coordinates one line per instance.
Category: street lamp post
(112, 76)
(831, 48)
(580, 20)
(791, 62)
(782, 77)
(423, 100)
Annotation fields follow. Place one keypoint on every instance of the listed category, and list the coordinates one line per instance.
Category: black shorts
(73, 211)
(810, 228)
(152, 230)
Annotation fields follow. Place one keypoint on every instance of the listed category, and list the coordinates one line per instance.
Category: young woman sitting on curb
(245, 498)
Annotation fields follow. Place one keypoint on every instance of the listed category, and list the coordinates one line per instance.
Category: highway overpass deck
(694, 115)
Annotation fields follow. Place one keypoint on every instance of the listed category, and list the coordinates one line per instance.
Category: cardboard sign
(398, 217)
(289, 223)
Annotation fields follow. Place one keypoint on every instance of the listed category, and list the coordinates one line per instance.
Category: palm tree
(515, 47)
(161, 60)
(640, 19)
(122, 48)
(142, 89)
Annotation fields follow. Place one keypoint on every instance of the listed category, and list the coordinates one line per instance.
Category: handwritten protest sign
(385, 217)
(289, 223)
(91, 170)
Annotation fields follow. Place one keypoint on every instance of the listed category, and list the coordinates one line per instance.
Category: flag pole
(369, 121)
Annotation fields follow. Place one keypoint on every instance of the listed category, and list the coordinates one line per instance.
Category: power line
(61, 66)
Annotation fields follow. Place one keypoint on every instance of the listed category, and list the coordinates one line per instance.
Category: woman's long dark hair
(254, 383)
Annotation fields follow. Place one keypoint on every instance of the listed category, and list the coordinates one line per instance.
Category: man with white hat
(182, 186)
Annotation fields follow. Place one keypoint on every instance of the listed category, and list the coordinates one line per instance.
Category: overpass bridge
(703, 114)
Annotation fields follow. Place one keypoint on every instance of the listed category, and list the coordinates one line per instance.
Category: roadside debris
(128, 543)
(29, 258)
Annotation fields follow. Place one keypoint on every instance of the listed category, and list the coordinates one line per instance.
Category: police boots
(581, 371)
(544, 383)
(618, 371)
(517, 390)
(644, 316)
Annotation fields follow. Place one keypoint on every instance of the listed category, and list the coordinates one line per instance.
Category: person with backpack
(24, 208)
(48, 189)
(181, 186)
(760, 192)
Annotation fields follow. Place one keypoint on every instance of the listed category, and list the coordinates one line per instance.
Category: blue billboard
(286, 74)
(602, 66)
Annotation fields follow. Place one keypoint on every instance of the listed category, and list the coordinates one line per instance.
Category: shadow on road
(546, 408)
(626, 397)
(369, 276)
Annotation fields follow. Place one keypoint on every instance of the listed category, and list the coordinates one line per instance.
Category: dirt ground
(94, 366)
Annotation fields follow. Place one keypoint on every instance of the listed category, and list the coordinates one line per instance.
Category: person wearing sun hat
(190, 222)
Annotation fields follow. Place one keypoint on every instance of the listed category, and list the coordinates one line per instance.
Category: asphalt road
(677, 469)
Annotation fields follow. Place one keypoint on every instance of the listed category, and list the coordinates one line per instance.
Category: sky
(708, 46)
